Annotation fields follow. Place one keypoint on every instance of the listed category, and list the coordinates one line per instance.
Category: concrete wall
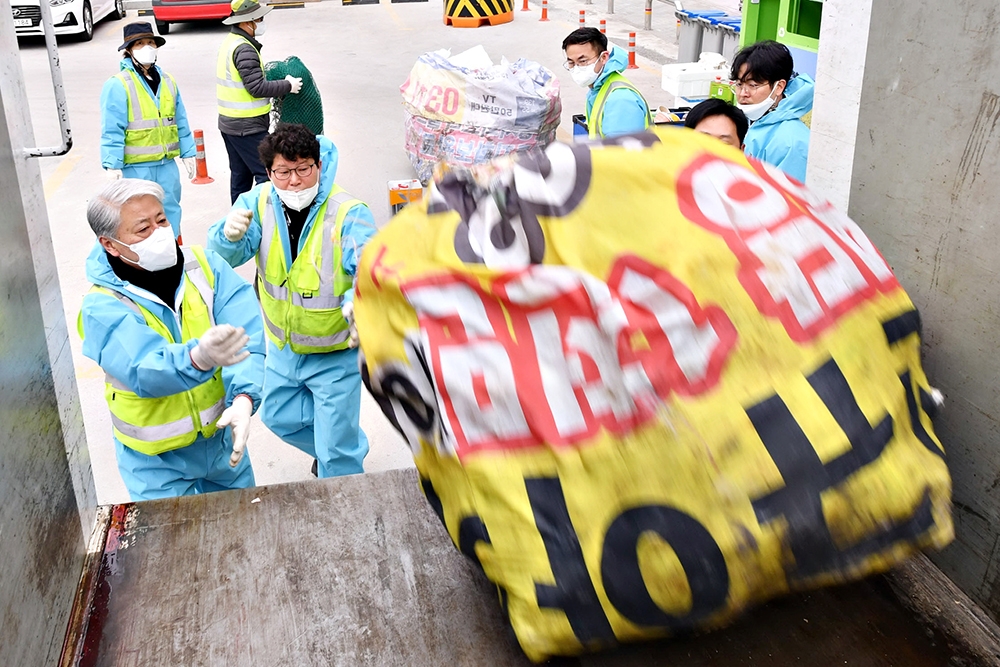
(41, 431)
(924, 168)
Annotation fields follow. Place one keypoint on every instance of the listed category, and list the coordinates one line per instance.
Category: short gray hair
(104, 212)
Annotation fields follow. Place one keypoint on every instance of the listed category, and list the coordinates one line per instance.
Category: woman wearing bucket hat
(144, 124)
(244, 94)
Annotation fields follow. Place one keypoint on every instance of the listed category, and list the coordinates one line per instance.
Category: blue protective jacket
(780, 137)
(122, 344)
(624, 112)
(114, 118)
(358, 227)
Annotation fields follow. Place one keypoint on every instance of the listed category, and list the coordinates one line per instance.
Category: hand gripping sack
(649, 384)
(462, 115)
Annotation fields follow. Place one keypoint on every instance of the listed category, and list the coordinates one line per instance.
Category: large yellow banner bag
(648, 384)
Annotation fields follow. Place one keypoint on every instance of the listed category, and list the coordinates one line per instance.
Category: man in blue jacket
(774, 99)
(180, 339)
(614, 105)
(144, 124)
(306, 235)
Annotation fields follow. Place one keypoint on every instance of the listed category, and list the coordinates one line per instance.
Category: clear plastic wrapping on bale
(464, 110)
(305, 107)
(649, 384)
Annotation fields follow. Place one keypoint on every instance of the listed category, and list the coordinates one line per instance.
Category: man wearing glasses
(614, 105)
(306, 234)
(774, 99)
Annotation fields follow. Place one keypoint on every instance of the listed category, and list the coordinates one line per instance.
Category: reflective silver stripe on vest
(194, 272)
(321, 341)
(256, 104)
(597, 113)
(227, 82)
(143, 125)
(144, 150)
(316, 301)
(133, 93)
(154, 433)
(272, 327)
(211, 414)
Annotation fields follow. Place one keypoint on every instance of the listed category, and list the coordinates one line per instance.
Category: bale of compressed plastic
(463, 110)
(649, 384)
(306, 106)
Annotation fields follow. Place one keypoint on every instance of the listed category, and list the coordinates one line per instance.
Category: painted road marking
(59, 175)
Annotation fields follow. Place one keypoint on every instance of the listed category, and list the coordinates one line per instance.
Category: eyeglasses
(304, 171)
(749, 86)
(569, 64)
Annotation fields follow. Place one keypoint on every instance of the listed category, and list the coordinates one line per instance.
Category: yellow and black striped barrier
(476, 13)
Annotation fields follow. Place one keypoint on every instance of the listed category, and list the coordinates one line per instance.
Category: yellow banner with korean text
(649, 384)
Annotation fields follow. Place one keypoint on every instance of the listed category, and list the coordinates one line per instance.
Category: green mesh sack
(306, 107)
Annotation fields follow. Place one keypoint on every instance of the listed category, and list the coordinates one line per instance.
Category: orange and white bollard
(583, 18)
(201, 176)
(545, 10)
(524, 7)
(631, 52)
(604, 26)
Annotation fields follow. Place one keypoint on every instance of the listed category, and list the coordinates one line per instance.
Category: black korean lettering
(699, 554)
(472, 531)
(433, 499)
(573, 592)
(896, 330)
(799, 502)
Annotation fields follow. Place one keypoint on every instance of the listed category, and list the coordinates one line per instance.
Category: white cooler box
(692, 80)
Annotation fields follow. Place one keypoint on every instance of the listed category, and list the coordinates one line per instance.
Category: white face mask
(259, 29)
(298, 199)
(585, 76)
(755, 112)
(157, 251)
(146, 55)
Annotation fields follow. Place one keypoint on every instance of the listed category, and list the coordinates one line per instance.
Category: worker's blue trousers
(201, 467)
(313, 401)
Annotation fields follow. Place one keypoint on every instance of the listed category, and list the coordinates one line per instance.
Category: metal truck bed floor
(358, 571)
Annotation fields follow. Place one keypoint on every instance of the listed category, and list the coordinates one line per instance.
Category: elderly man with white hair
(180, 339)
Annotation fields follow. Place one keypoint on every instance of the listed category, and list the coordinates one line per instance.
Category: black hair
(587, 36)
(766, 62)
(290, 141)
(716, 107)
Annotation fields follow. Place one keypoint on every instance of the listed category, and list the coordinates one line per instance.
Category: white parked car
(70, 17)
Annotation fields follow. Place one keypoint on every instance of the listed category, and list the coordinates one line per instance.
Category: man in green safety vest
(306, 235)
(244, 94)
(180, 340)
(614, 105)
(144, 125)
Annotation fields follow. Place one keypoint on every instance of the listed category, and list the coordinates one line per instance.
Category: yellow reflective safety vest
(301, 306)
(233, 99)
(156, 425)
(151, 134)
(595, 118)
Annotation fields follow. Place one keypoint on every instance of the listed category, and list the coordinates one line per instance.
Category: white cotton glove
(113, 174)
(347, 310)
(222, 345)
(296, 83)
(237, 417)
(237, 224)
(190, 165)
